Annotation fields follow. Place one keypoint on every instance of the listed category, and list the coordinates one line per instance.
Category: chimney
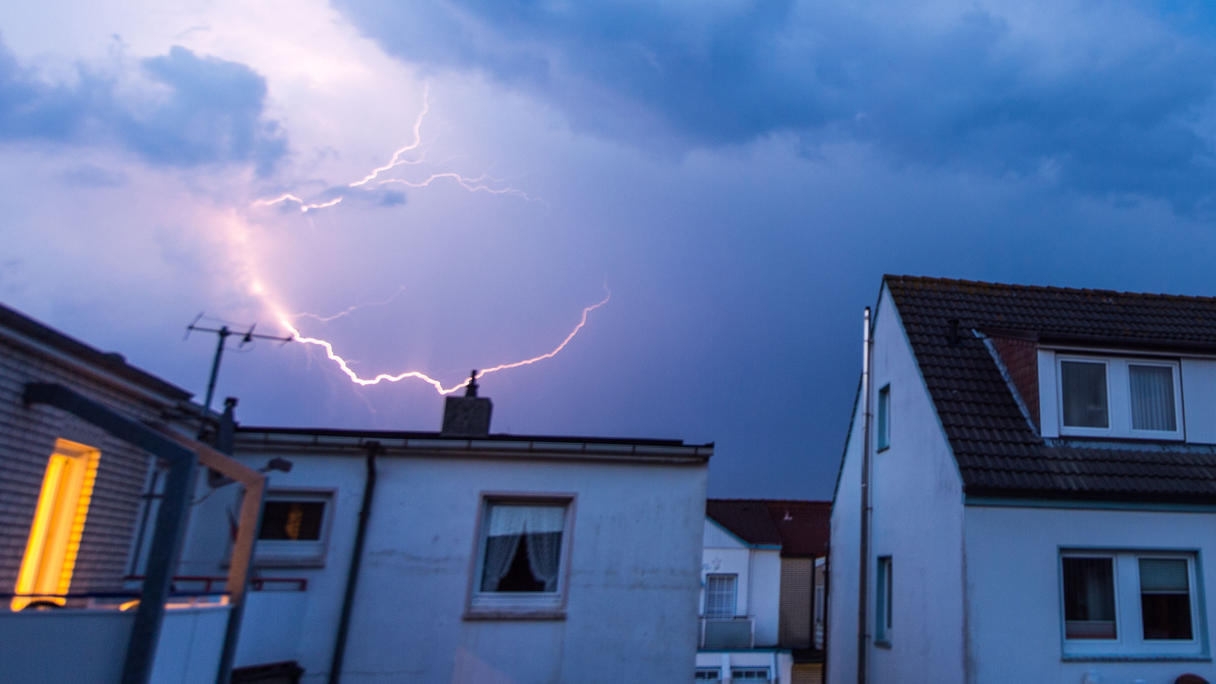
(467, 416)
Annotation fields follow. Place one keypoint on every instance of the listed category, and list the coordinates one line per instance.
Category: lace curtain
(508, 524)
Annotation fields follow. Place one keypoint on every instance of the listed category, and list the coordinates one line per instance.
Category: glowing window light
(63, 505)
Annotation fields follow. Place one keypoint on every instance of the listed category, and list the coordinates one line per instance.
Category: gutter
(863, 569)
(356, 557)
(170, 516)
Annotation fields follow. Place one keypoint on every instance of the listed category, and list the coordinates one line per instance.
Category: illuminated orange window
(50, 553)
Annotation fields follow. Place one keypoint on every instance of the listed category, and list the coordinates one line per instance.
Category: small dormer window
(1119, 397)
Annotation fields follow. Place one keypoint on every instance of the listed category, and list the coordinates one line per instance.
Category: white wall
(765, 592)
(634, 571)
(917, 520)
(843, 570)
(1013, 595)
(723, 553)
(91, 645)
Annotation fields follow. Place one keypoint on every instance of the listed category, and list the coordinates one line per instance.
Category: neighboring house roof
(110, 362)
(329, 440)
(800, 528)
(1000, 453)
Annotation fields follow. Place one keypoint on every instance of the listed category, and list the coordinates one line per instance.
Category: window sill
(514, 614)
(1136, 658)
(881, 449)
(883, 644)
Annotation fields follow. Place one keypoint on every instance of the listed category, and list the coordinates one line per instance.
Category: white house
(762, 591)
(86, 556)
(465, 556)
(1038, 466)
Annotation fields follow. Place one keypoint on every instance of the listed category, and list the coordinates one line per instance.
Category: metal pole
(863, 570)
(222, 334)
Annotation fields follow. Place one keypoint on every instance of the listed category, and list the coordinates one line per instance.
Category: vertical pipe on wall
(356, 556)
(863, 569)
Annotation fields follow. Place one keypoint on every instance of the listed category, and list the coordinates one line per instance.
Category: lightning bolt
(354, 377)
(305, 207)
(400, 158)
(397, 160)
(350, 309)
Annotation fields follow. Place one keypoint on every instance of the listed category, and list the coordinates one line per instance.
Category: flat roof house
(1028, 490)
(468, 556)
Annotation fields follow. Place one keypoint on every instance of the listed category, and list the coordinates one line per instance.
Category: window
(711, 675)
(1119, 397)
(1129, 603)
(295, 527)
(884, 417)
(720, 596)
(522, 555)
(749, 674)
(882, 606)
(63, 504)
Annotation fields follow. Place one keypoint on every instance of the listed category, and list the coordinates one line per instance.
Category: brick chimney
(467, 416)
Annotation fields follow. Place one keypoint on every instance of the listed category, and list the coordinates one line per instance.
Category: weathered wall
(917, 520)
(633, 584)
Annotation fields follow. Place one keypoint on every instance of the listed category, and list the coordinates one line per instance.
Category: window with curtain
(1113, 396)
(1152, 397)
(522, 547)
(1089, 598)
(1136, 603)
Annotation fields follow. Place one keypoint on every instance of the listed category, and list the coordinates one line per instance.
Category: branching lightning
(418, 375)
(410, 154)
(351, 309)
(403, 157)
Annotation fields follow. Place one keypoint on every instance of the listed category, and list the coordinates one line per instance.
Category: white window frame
(1118, 397)
(496, 605)
(297, 553)
(734, 596)
(1129, 641)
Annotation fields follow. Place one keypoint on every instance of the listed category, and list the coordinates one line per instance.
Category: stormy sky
(738, 175)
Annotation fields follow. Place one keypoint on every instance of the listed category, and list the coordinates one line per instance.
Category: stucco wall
(917, 520)
(1013, 587)
(633, 584)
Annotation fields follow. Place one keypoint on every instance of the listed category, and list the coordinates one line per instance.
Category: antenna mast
(223, 333)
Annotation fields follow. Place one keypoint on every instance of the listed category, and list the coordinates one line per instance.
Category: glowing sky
(737, 174)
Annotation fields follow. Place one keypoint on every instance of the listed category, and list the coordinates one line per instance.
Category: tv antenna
(223, 333)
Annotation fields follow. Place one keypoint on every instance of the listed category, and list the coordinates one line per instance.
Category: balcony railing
(732, 632)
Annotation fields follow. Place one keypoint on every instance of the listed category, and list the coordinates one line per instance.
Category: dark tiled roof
(800, 528)
(997, 451)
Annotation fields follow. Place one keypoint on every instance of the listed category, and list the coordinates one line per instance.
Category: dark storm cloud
(1117, 104)
(210, 112)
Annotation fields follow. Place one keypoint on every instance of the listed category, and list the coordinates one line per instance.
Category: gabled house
(1028, 489)
(762, 591)
(463, 555)
(96, 464)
